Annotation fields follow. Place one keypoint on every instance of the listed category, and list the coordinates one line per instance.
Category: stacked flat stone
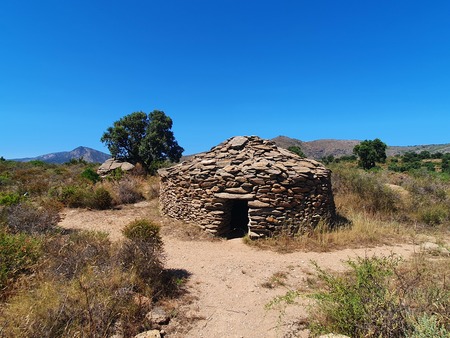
(283, 190)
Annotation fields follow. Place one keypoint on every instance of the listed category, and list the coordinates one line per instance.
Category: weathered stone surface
(256, 181)
(237, 142)
(280, 187)
(229, 196)
(238, 190)
(258, 204)
(157, 316)
(149, 334)
(111, 164)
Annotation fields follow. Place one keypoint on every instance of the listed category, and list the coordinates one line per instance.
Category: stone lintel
(229, 196)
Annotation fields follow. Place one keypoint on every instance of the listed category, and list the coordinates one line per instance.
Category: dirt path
(227, 277)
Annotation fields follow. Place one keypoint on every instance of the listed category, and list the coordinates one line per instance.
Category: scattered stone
(149, 334)
(157, 316)
(434, 248)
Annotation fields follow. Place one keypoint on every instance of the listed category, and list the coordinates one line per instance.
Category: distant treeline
(411, 161)
(436, 161)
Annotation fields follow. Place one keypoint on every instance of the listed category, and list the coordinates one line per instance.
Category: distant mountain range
(337, 148)
(87, 154)
(313, 149)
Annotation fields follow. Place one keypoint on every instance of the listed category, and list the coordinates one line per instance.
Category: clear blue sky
(219, 68)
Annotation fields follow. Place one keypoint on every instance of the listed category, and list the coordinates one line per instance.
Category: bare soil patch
(230, 283)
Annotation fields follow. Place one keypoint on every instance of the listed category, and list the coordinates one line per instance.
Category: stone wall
(282, 190)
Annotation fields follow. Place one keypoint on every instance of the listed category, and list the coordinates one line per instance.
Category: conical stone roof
(248, 154)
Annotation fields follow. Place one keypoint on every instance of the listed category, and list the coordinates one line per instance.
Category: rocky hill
(337, 148)
(87, 154)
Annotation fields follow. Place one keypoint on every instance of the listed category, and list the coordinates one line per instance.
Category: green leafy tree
(370, 152)
(145, 139)
(446, 163)
(296, 150)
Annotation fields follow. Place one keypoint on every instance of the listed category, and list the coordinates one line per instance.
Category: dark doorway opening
(238, 219)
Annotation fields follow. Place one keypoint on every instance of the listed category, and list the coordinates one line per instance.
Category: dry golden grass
(364, 231)
(378, 211)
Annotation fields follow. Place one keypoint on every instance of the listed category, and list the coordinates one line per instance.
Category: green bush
(427, 326)
(434, 214)
(10, 198)
(5, 179)
(18, 254)
(369, 188)
(86, 197)
(38, 163)
(74, 196)
(361, 303)
(142, 230)
(76, 161)
(81, 290)
(142, 254)
(90, 175)
(116, 174)
(430, 197)
(30, 179)
(101, 199)
(89, 306)
(378, 297)
(297, 150)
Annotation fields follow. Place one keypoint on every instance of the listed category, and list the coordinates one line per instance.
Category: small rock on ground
(149, 334)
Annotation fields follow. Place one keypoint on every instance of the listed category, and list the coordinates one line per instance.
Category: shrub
(25, 217)
(5, 179)
(33, 180)
(86, 197)
(38, 163)
(128, 192)
(18, 254)
(368, 190)
(378, 297)
(434, 214)
(142, 230)
(74, 197)
(81, 290)
(142, 254)
(101, 199)
(297, 150)
(427, 326)
(90, 175)
(361, 304)
(115, 174)
(52, 206)
(10, 198)
(89, 306)
(153, 187)
(76, 161)
(69, 256)
(430, 197)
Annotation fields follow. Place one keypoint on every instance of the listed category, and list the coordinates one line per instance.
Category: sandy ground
(229, 280)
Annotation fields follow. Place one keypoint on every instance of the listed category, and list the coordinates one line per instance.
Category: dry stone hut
(247, 185)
